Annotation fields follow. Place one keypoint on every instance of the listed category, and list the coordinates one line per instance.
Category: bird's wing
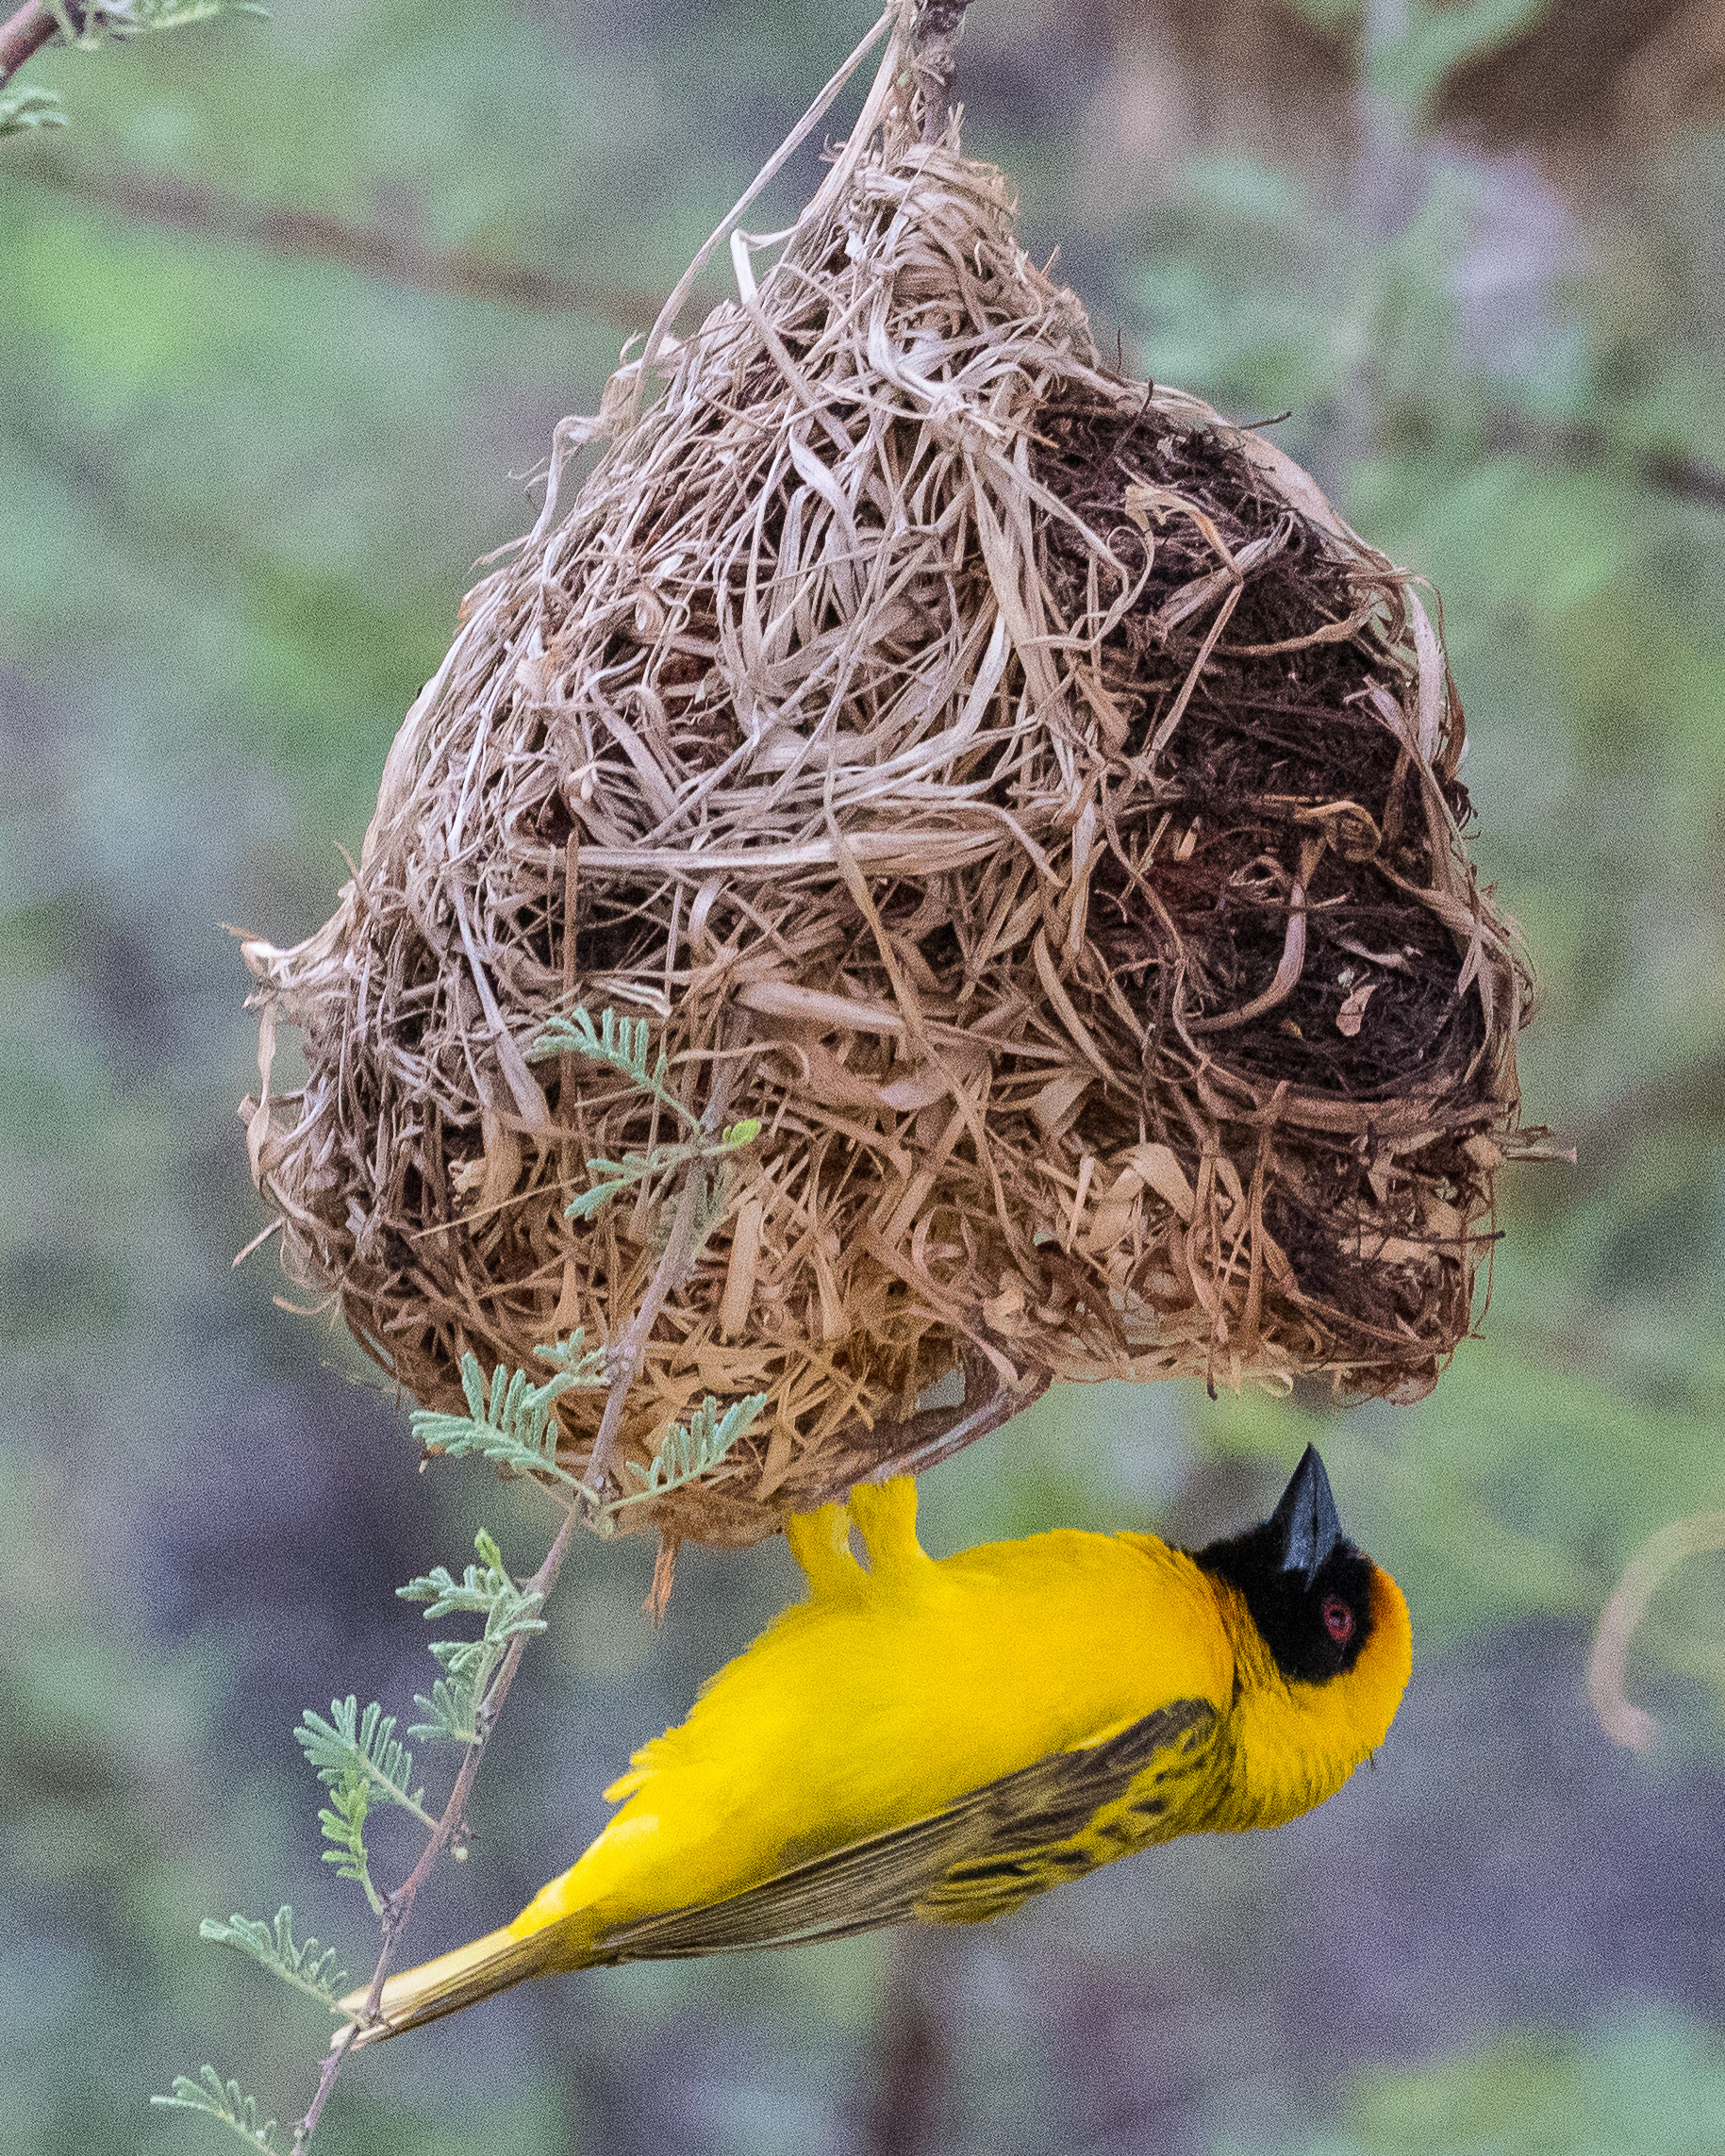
(978, 1857)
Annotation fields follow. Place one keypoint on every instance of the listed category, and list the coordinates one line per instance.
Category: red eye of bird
(1338, 1621)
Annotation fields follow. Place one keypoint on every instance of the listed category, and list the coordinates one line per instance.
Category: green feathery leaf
(452, 1707)
(624, 1045)
(22, 110)
(472, 1594)
(619, 1044)
(486, 1589)
(141, 17)
(573, 1359)
(224, 2101)
(362, 1746)
(451, 1710)
(89, 27)
(694, 1449)
(634, 1168)
(306, 1968)
(343, 1824)
(514, 1424)
(616, 1176)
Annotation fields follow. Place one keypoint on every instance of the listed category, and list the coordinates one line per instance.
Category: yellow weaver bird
(940, 1739)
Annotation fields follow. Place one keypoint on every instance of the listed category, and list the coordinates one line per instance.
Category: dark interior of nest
(1189, 905)
(1267, 735)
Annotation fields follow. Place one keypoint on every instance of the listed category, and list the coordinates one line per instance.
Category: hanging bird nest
(1009, 786)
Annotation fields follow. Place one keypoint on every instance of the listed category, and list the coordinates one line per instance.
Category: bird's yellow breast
(892, 1692)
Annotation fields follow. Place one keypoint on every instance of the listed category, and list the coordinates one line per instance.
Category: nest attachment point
(1010, 786)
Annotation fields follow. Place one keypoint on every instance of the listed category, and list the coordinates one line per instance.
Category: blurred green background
(286, 318)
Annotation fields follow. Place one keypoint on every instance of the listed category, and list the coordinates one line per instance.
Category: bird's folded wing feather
(977, 1857)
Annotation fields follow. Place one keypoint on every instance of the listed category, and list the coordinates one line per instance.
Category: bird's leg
(886, 1516)
(820, 1543)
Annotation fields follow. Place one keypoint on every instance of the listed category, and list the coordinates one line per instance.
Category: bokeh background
(285, 319)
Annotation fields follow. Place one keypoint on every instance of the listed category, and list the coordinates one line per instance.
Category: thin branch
(630, 1350)
(326, 2081)
(940, 27)
(315, 235)
(1660, 1554)
(1672, 472)
(625, 1365)
(23, 35)
(400, 1904)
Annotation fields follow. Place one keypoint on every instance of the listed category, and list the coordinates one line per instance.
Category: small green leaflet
(694, 1449)
(308, 1968)
(224, 2101)
(366, 1747)
(514, 1424)
(510, 1612)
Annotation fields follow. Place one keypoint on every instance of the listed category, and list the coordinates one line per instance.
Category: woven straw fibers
(1024, 788)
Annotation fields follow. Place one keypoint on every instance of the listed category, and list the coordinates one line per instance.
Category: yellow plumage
(940, 1739)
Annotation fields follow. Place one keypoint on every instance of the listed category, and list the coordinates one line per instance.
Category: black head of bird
(1308, 1588)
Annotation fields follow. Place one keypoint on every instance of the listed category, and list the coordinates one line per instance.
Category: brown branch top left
(23, 35)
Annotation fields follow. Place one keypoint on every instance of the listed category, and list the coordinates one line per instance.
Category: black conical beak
(1305, 1526)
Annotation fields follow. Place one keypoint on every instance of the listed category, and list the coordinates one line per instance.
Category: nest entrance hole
(1272, 741)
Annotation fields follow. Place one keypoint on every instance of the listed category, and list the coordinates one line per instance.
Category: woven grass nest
(1010, 785)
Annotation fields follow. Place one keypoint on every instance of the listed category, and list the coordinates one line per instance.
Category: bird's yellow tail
(457, 1979)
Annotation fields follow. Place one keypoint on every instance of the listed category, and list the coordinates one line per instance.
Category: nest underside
(1031, 794)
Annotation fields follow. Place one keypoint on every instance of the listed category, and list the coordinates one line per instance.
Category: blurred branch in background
(902, 2114)
(1593, 68)
(1688, 1093)
(1412, 46)
(394, 256)
(1684, 477)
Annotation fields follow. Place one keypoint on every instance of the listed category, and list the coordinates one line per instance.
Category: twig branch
(400, 1904)
(630, 1350)
(625, 1366)
(180, 205)
(23, 35)
(940, 27)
